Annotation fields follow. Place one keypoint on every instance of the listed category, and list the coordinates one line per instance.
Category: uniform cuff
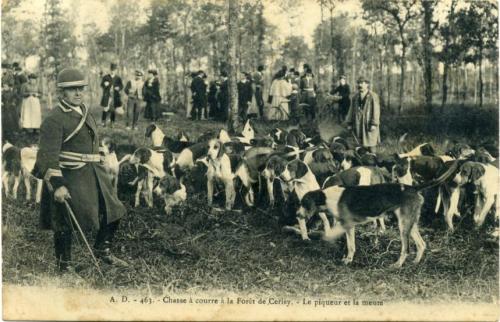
(54, 178)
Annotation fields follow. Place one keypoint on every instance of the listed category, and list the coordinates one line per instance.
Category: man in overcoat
(343, 92)
(112, 86)
(152, 96)
(363, 117)
(199, 94)
(258, 81)
(69, 163)
(245, 93)
(135, 103)
(308, 93)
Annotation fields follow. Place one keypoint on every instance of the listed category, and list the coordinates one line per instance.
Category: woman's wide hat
(70, 77)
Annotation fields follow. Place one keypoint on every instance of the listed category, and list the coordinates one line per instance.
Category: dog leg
(270, 191)
(381, 222)
(303, 228)
(351, 246)
(438, 200)
(230, 194)
(38, 197)
(404, 232)
(419, 242)
(326, 222)
(479, 220)
(17, 180)
(27, 185)
(150, 183)
(210, 190)
(138, 193)
(5, 181)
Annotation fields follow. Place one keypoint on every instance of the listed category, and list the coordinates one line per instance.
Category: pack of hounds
(343, 184)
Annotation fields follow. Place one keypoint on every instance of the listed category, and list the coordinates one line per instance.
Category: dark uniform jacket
(152, 90)
(345, 92)
(199, 91)
(112, 82)
(87, 181)
(245, 92)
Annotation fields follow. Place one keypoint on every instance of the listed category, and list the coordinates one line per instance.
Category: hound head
(401, 171)
(6, 146)
(167, 185)
(295, 169)
(278, 135)
(274, 167)
(346, 162)
(223, 136)
(248, 130)
(369, 159)
(107, 145)
(340, 140)
(215, 149)
(311, 203)
(149, 130)
(265, 141)
(182, 137)
(469, 172)
(141, 156)
(322, 155)
(296, 138)
(482, 155)
(460, 151)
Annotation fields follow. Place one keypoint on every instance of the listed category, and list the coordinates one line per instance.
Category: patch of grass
(198, 249)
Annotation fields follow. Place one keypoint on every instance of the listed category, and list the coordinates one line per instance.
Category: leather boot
(107, 257)
(62, 247)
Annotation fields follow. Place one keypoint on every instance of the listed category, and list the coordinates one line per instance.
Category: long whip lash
(73, 217)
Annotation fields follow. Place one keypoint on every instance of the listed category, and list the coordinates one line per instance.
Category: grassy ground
(196, 249)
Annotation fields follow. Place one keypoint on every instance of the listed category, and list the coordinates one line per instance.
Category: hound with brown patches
(158, 163)
(220, 169)
(357, 205)
(172, 190)
(485, 179)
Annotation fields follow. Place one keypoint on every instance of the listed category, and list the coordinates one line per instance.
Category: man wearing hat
(135, 92)
(342, 92)
(245, 93)
(199, 95)
(69, 163)
(9, 111)
(111, 85)
(363, 117)
(152, 95)
(19, 80)
(258, 81)
(308, 93)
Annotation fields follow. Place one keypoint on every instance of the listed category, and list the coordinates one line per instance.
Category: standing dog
(220, 169)
(157, 163)
(357, 205)
(11, 168)
(485, 179)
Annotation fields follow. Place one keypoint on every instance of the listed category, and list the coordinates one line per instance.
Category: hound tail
(441, 179)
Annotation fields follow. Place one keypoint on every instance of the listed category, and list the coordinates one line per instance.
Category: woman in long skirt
(31, 111)
(280, 90)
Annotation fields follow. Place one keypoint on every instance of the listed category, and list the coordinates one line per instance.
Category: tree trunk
(475, 84)
(402, 79)
(354, 51)
(481, 85)
(332, 49)
(427, 54)
(232, 30)
(446, 71)
(464, 95)
(388, 68)
(260, 36)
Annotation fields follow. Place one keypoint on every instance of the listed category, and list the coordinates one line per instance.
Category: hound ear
(477, 172)
(301, 169)
(314, 199)
(221, 150)
(145, 156)
(112, 147)
(149, 130)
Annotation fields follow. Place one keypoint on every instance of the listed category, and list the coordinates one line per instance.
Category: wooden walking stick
(75, 221)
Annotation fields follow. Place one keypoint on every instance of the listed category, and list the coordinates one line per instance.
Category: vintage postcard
(248, 160)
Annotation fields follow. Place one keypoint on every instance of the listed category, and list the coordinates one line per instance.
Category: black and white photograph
(250, 160)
